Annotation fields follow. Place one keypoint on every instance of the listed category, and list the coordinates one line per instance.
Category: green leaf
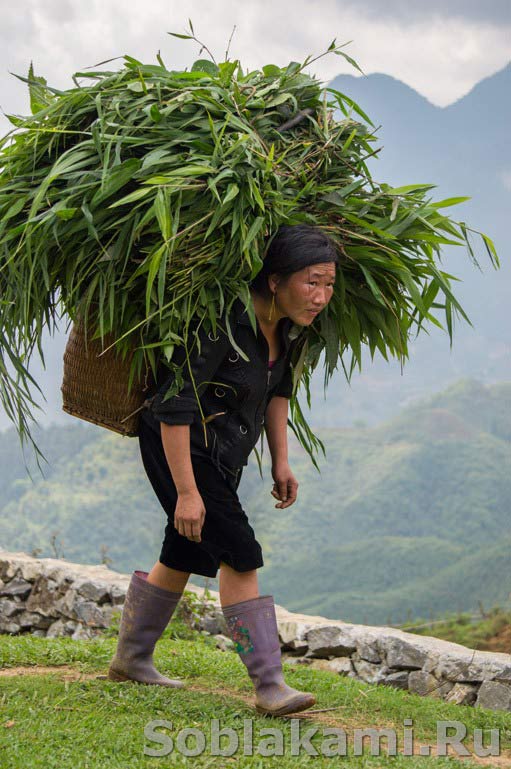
(163, 215)
(280, 99)
(409, 188)
(190, 170)
(449, 202)
(114, 181)
(490, 247)
(204, 65)
(232, 191)
(372, 285)
(254, 230)
(40, 96)
(132, 197)
(271, 70)
(155, 113)
(66, 213)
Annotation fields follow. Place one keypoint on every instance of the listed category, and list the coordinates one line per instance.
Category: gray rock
(44, 596)
(66, 604)
(92, 590)
(324, 640)
(9, 608)
(118, 594)
(28, 619)
(319, 663)
(368, 671)
(212, 623)
(83, 634)
(494, 696)
(404, 653)
(16, 586)
(291, 660)
(340, 665)
(368, 653)
(398, 679)
(223, 642)
(88, 613)
(425, 684)
(471, 666)
(9, 627)
(292, 634)
(61, 628)
(462, 694)
(108, 611)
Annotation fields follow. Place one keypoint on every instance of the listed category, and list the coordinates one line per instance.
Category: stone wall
(50, 597)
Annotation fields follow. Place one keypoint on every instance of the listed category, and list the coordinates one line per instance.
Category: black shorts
(226, 534)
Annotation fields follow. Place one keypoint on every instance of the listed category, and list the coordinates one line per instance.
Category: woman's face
(304, 293)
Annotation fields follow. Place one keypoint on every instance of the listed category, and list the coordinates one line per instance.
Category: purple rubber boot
(145, 615)
(252, 625)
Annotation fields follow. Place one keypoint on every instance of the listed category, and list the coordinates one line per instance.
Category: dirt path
(325, 717)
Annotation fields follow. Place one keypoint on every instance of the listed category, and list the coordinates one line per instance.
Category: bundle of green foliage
(147, 197)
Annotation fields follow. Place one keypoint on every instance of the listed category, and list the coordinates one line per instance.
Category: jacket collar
(284, 324)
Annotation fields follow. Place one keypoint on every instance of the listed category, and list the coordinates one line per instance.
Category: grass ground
(56, 712)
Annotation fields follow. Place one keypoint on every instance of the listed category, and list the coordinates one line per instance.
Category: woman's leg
(237, 586)
(167, 578)
(251, 623)
(147, 610)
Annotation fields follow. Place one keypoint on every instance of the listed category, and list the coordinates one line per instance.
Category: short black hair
(294, 247)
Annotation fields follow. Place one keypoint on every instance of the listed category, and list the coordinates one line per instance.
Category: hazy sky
(442, 48)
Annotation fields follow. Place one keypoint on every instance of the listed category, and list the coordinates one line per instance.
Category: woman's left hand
(285, 487)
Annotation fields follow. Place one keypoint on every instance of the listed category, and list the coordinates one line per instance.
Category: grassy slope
(56, 719)
(408, 517)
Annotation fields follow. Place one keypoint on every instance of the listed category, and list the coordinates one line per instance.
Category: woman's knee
(247, 574)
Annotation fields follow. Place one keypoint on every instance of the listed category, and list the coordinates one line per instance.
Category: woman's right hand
(189, 515)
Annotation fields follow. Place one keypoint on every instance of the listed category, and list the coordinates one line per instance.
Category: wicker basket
(96, 388)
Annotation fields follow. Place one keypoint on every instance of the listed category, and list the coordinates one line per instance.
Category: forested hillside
(408, 519)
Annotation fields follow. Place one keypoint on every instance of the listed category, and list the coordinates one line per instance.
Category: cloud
(493, 11)
(432, 47)
(505, 177)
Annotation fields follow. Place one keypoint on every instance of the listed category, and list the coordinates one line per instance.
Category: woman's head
(299, 270)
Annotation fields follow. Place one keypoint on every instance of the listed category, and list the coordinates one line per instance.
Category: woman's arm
(285, 487)
(190, 511)
(275, 425)
(176, 444)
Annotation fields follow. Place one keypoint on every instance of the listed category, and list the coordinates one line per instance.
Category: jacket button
(243, 429)
(219, 392)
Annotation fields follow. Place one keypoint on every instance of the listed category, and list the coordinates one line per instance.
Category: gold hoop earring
(272, 308)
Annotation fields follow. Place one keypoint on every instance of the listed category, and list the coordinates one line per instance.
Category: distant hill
(406, 520)
(464, 149)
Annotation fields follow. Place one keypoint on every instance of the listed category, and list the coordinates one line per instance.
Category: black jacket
(234, 392)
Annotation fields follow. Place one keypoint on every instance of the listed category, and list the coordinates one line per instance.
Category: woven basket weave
(96, 388)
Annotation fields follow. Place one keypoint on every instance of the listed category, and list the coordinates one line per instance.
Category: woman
(194, 455)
